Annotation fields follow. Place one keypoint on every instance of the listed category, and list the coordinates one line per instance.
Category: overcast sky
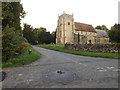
(44, 13)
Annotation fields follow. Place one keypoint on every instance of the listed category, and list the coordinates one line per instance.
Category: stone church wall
(114, 48)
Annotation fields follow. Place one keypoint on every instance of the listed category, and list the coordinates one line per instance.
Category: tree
(98, 27)
(43, 36)
(38, 35)
(113, 28)
(12, 12)
(114, 33)
(12, 41)
(103, 27)
(53, 37)
(29, 33)
(117, 26)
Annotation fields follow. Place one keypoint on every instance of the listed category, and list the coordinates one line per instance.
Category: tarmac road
(61, 70)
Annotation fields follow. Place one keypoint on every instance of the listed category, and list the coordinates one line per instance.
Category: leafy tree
(38, 35)
(48, 39)
(113, 28)
(12, 41)
(12, 12)
(98, 27)
(53, 37)
(117, 26)
(114, 33)
(103, 27)
(29, 33)
(43, 36)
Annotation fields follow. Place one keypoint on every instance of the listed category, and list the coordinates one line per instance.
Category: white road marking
(29, 80)
(20, 74)
(101, 69)
(79, 63)
(110, 67)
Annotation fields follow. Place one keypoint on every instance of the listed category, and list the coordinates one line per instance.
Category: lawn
(24, 58)
(83, 53)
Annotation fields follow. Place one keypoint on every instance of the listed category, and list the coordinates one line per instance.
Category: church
(71, 32)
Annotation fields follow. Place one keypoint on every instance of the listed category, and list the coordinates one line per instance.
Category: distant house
(69, 31)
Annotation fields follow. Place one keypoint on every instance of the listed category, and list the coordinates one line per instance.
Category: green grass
(83, 53)
(22, 59)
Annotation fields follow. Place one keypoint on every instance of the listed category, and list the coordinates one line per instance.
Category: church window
(89, 41)
(60, 24)
(68, 23)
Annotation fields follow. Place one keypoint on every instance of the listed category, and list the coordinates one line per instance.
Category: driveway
(61, 70)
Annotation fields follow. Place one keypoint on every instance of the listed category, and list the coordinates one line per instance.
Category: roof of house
(101, 33)
(84, 27)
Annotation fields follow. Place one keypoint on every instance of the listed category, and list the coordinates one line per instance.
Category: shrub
(13, 44)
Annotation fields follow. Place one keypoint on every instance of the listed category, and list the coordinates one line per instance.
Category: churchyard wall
(114, 48)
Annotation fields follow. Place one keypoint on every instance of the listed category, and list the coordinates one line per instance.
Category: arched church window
(89, 41)
(68, 23)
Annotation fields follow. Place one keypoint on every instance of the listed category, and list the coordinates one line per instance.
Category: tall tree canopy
(98, 27)
(44, 37)
(103, 27)
(117, 26)
(38, 35)
(29, 33)
(53, 37)
(12, 41)
(12, 12)
(114, 33)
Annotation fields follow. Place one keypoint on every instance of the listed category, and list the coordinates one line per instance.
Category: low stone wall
(114, 48)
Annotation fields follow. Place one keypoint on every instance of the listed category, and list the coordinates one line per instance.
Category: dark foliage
(12, 41)
(114, 33)
(38, 35)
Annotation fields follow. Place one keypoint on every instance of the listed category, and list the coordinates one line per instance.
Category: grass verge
(22, 59)
(83, 53)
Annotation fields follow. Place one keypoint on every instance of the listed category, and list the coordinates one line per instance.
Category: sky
(44, 13)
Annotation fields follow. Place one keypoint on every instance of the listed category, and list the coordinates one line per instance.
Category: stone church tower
(65, 29)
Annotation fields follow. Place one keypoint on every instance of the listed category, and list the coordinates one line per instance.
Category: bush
(13, 44)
